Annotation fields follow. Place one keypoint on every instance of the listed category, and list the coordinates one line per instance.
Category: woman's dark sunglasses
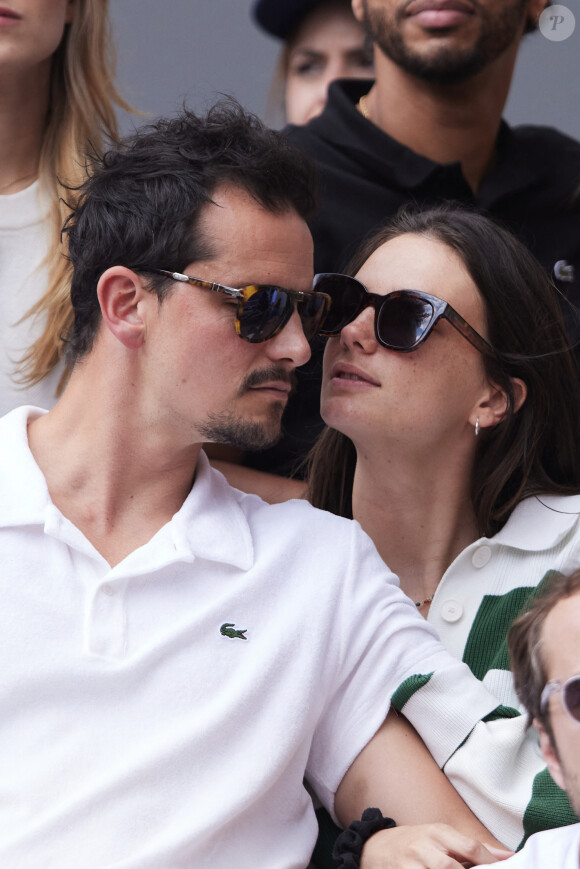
(570, 696)
(264, 310)
(403, 318)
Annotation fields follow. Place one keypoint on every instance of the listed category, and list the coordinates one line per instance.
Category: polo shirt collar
(342, 126)
(540, 522)
(211, 524)
(24, 496)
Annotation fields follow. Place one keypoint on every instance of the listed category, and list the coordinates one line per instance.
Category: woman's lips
(350, 374)
(8, 16)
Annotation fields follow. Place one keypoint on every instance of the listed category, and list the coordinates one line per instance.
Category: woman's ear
(493, 405)
(120, 291)
(550, 756)
(70, 11)
(520, 391)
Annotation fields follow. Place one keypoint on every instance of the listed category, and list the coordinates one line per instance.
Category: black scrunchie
(348, 847)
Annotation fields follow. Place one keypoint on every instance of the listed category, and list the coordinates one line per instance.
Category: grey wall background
(169, 51)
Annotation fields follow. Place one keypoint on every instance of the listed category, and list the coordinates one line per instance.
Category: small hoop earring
(477, 427)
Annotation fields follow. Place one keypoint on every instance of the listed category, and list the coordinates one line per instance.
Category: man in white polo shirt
(176, 655)
(545, 654)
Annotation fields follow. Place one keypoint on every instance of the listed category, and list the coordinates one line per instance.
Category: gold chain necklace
(363, 108)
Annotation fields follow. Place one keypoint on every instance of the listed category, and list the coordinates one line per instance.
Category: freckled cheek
(466, 372)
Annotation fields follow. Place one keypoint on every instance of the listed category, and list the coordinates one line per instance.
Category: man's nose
(290, 342)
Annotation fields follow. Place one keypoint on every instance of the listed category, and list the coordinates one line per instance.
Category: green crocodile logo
(228, 629)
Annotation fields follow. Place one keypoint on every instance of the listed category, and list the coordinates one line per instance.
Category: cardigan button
(451, 611)
(481, 556)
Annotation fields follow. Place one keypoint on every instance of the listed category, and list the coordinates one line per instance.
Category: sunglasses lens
(267, 309)
(312, 312)
(572, 698)
(263, 313)
(403, 320)
(346, 294)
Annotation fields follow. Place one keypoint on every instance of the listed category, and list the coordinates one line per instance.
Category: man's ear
(120, 292)
(550, 756)
(492, 407)
(535, 9)
(358, 10)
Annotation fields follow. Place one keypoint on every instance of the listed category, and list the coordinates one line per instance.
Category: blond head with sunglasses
(545, 656)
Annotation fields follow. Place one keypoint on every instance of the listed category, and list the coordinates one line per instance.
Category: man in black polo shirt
(429, 129)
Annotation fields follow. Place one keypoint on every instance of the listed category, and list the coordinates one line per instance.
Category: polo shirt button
(451, 611)
(481, 556)
(108, 590)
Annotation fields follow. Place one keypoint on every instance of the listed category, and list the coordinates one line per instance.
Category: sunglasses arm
(208, 285)
(467, 331)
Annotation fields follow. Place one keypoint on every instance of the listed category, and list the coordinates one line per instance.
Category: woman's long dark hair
(532, 452)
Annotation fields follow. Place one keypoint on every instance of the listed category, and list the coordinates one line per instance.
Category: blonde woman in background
(323, 41)
(57, 100)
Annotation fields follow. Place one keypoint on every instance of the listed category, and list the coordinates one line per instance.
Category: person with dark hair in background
(429, 129)
(449, 392)
(544, 647)
(323, 41)
(174, 659)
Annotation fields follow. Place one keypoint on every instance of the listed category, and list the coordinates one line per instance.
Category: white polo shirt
(550, 849)
(162, 713)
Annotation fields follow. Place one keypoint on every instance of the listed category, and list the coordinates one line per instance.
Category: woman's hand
(427, 846)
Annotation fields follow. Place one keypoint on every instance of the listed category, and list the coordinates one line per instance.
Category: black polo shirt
(365, 176)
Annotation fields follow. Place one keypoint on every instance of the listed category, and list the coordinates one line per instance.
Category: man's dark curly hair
(142, 200)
